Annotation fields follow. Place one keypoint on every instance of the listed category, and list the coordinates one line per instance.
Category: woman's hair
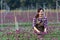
(37, 15)
(39, 10)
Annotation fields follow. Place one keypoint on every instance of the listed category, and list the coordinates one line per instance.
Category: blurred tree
(13, 4)
(22, 2)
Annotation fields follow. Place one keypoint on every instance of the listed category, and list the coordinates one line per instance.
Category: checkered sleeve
(34, 21)
(45, 23)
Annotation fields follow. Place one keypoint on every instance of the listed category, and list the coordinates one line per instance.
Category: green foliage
(13, 4)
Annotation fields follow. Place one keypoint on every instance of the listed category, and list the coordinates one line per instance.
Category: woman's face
(41, 14)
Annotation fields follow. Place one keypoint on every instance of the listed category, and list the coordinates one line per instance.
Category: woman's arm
(34, 23)
(36, 29)
(45, 23)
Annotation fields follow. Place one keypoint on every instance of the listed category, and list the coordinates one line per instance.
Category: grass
(26, 24)
(28, 34)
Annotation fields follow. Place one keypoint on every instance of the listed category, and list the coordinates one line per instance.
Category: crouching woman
(40, 22)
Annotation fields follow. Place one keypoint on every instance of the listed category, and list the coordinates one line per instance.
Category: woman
(40, 22)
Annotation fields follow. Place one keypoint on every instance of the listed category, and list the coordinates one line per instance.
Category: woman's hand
(45, 30)
(38, 31)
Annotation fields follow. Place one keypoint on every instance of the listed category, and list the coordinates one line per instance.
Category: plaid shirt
(39, 19)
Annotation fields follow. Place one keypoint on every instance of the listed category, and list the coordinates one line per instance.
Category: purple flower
(17, 31)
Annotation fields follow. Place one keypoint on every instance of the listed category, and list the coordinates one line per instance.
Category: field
(25, 32)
